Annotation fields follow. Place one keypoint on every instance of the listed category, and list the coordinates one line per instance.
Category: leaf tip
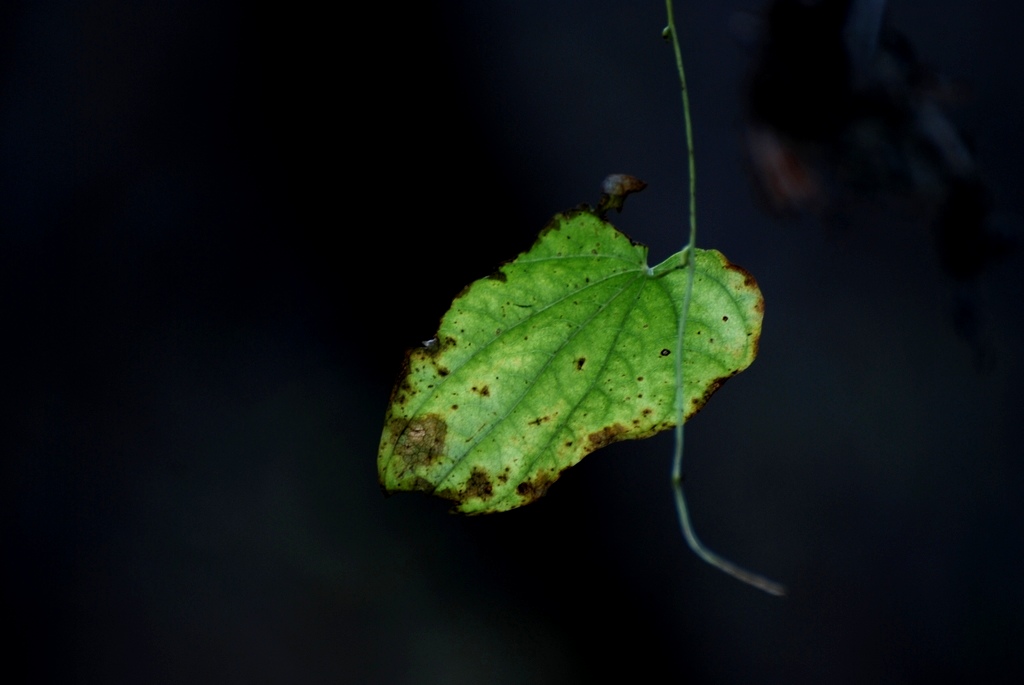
(615, 189)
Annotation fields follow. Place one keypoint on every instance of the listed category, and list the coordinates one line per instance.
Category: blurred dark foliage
(841, 110)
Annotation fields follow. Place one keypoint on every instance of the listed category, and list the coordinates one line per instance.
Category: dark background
(222, 226)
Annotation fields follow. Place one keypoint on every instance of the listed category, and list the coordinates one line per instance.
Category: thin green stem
(692, 166)
(689, 257)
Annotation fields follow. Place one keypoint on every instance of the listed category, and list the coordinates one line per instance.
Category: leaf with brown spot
(541, 384)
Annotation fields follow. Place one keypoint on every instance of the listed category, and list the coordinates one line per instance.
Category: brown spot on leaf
(748, 280)
(531, 490)
(580, 362)
(479, 485)
(441, 371)
(699, 402)
(499, 276)
(665, 352)
(606, 436)
(422, 441)
(421, 484)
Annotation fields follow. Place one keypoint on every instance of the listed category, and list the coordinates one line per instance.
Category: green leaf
(563, 350)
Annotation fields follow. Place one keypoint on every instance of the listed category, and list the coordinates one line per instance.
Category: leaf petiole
(680, 260)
